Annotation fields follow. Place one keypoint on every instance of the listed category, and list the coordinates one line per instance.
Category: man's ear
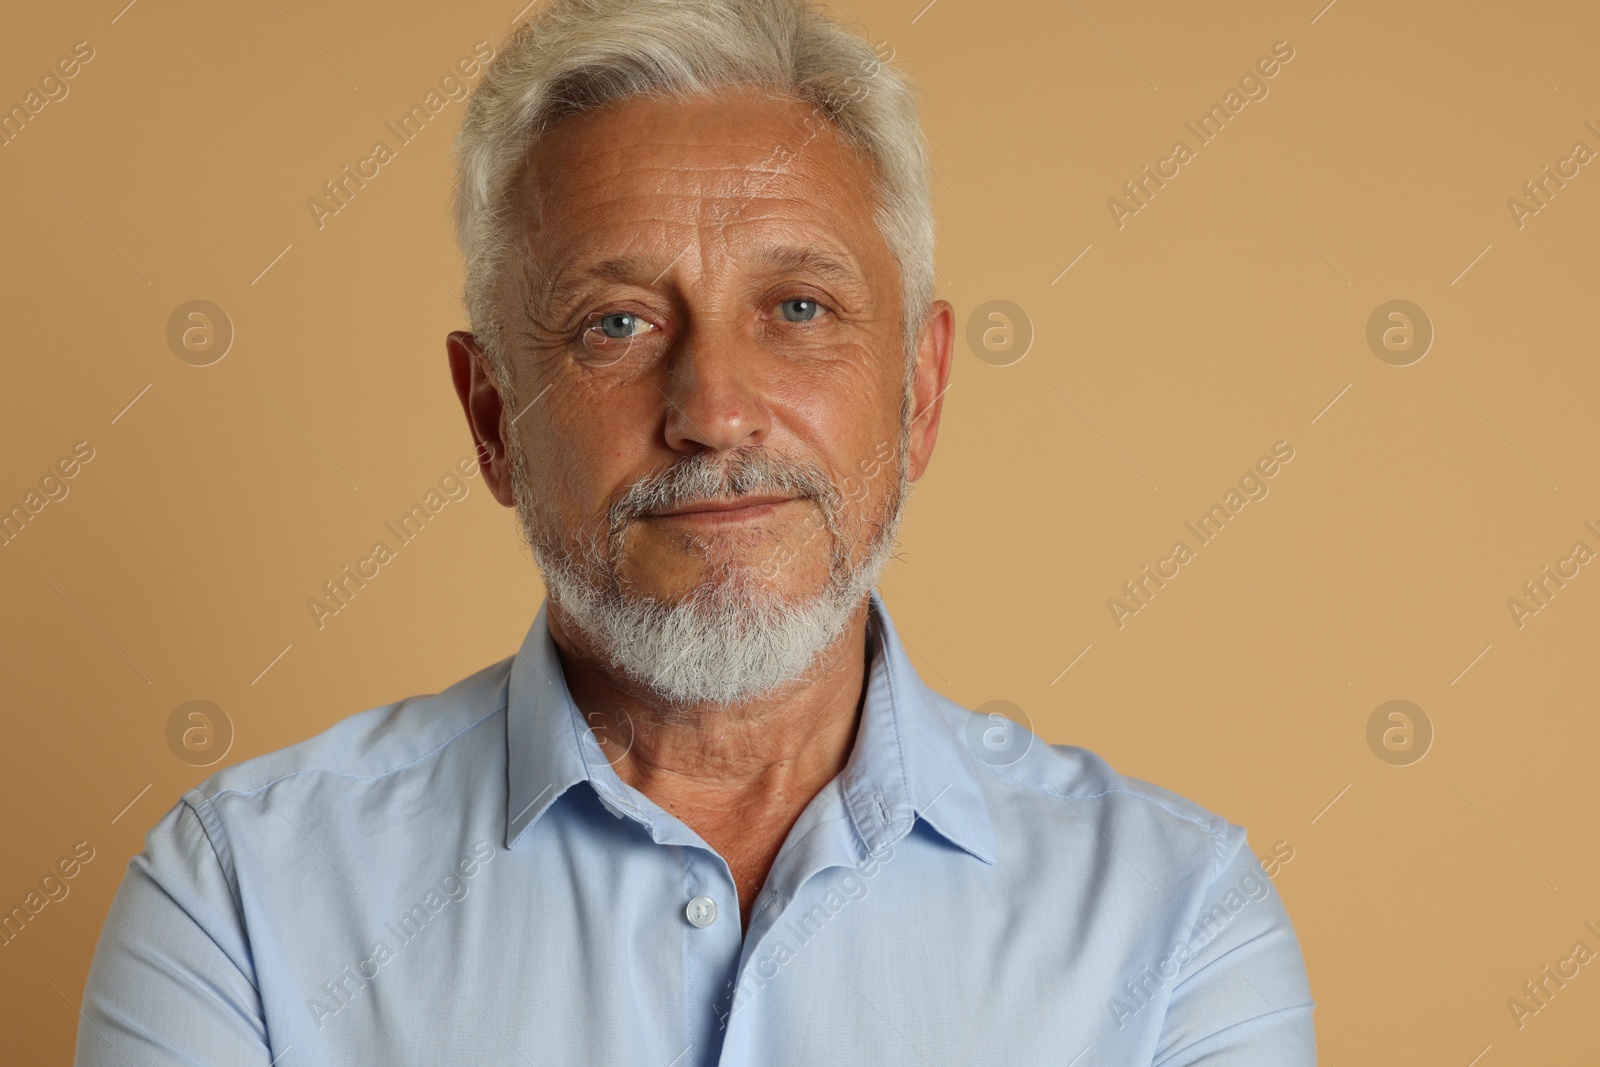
(927, 392)
(480, 400)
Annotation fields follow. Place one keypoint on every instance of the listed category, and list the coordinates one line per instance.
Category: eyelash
(593, 320)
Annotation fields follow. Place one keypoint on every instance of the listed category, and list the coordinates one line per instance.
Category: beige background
(1227, 314)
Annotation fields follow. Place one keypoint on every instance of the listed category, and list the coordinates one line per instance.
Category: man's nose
(714, 390)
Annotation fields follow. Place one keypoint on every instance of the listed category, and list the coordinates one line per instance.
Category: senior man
(708, 813)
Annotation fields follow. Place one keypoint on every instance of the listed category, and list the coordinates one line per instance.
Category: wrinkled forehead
(645, 166)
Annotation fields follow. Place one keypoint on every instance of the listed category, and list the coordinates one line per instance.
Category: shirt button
(702, 911)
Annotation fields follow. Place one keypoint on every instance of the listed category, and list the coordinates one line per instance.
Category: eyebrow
(800, 258)
(787, 258)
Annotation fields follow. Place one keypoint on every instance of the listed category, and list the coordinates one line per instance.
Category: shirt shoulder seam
(198, 803)
(212, 829)
(435, 750)
(1208, 824)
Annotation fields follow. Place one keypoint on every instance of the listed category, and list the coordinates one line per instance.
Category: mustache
(744, 471)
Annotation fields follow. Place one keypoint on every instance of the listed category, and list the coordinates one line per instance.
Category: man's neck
(802, 731)
(738, 776)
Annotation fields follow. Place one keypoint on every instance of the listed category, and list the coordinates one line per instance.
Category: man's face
(710, 314)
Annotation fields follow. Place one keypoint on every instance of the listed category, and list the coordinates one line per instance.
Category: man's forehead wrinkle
(686, 183)
(777, 194)
(595, 148)
(807, 176)
(780, 153)
(638, 218)
(761, 146)
(732, 238)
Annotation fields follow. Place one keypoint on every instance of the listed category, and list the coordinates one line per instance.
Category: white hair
(733, 639)
(574, 55)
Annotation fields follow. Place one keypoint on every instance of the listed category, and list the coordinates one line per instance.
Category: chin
(764, 571)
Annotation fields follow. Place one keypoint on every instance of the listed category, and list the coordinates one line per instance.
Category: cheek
(576, 480)
(852, 431)
(577, 434)
(843, 415)
(556, 474)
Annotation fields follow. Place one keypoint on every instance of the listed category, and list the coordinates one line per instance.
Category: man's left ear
(934, 347)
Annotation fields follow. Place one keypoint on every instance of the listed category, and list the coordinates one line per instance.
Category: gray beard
(733, 639)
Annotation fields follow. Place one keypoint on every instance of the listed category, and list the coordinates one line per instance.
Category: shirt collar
(908, 761)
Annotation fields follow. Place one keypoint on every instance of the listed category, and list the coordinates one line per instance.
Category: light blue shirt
(463, 878)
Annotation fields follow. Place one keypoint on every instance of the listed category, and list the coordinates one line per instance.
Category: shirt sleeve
(1242, 997)
(172, 980)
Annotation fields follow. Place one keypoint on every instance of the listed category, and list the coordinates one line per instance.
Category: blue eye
(620, 325)
(807, 309)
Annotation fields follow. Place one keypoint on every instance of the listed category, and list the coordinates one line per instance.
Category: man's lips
(723, 507)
